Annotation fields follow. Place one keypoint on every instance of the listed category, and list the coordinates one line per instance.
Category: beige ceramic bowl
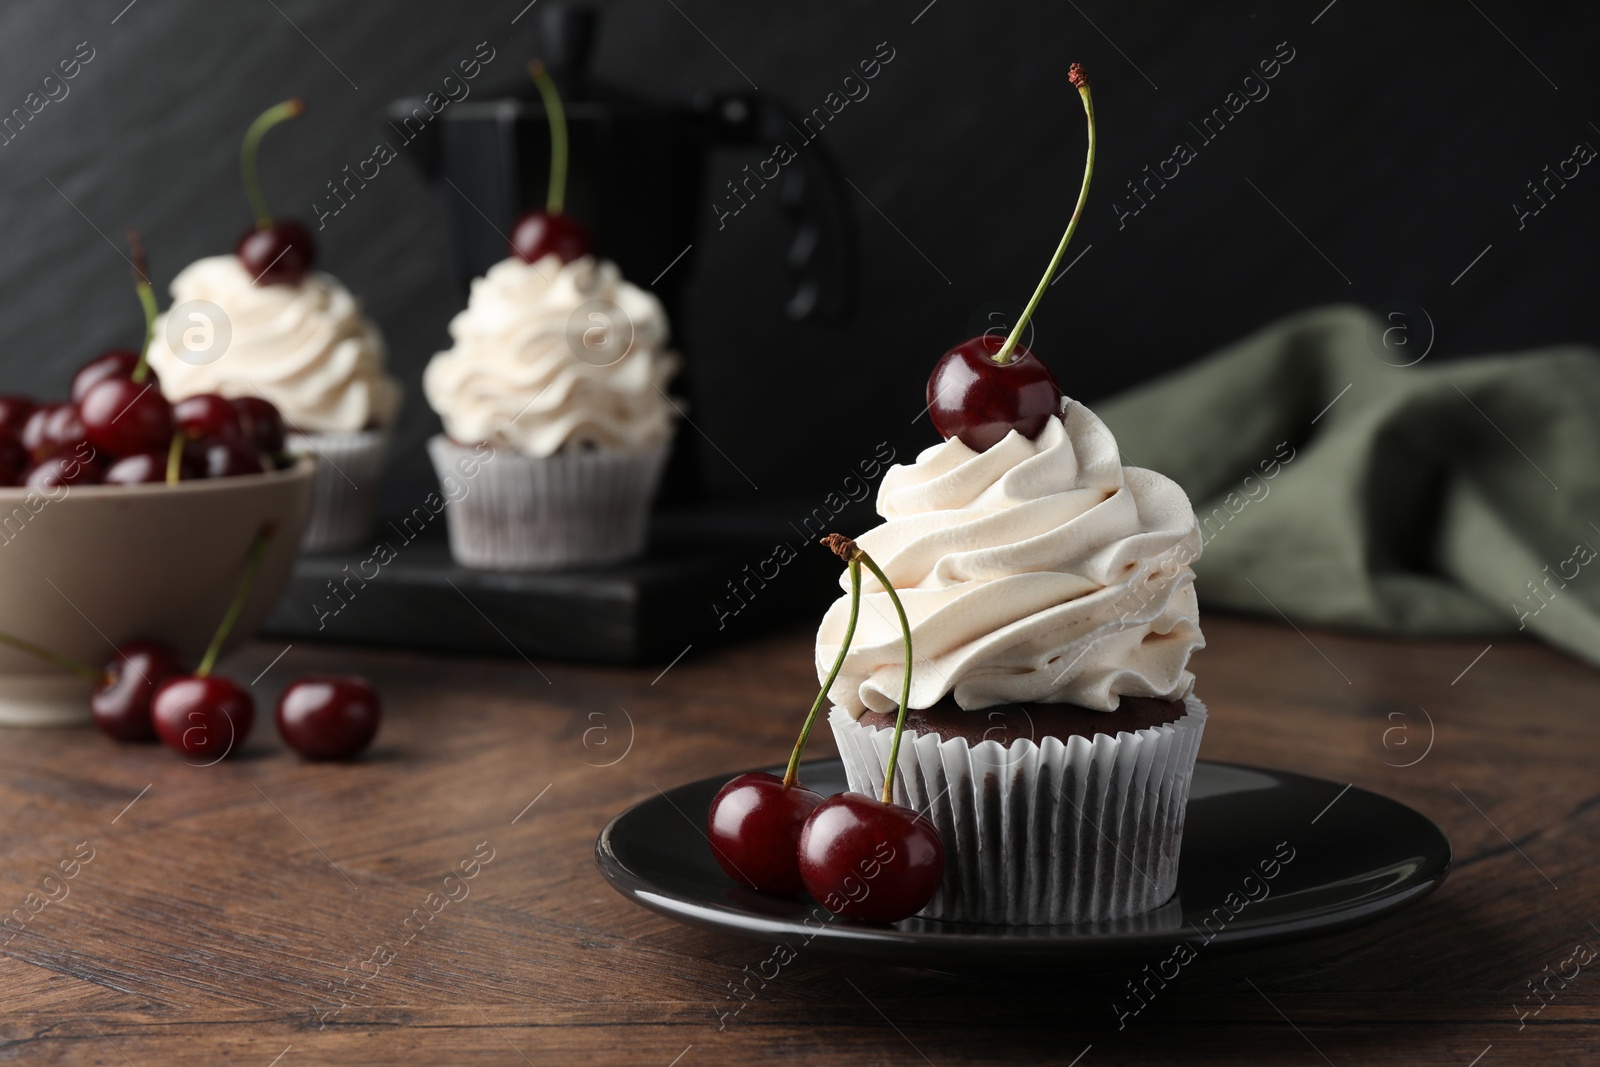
(85, 568)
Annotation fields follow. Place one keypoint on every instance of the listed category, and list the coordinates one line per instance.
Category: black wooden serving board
(649, 610)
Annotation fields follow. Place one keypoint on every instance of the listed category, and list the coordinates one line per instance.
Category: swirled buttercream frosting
(1036, 571)
(548, 356)
(306, 347)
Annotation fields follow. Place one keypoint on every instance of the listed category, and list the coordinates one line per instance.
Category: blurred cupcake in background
(553, 396)
(262, 323)
(307, 348)
(556, 416)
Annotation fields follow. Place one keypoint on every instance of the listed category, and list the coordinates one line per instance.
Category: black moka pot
(636, 180)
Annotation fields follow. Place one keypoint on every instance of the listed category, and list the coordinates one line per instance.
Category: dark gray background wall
(1388, 155)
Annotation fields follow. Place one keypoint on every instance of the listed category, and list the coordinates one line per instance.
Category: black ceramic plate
(1338, 857)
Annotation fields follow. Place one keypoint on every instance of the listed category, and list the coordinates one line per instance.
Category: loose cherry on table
(205, 715)
(984, 388)
(323, 717)
(537, 234)
(272, 252)
(260, 423)
(128, 683)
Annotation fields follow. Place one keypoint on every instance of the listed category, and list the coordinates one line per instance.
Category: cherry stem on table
(252, 145)
(258, 549)
(1082, 82)
(64, 662)
(791, 775)
(556, 198)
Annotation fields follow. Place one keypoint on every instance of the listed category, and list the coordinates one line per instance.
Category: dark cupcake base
(1008, 722)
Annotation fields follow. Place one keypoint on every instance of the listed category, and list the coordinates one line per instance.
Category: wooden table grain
(437, 902)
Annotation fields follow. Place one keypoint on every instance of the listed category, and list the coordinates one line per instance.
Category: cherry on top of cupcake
(985, 387)
(552, 231)
(274, 252)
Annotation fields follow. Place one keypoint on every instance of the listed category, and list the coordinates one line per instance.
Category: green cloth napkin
(1335, 487)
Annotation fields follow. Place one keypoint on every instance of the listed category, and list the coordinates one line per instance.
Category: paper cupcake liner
(345, 489)
(518, 512)
(1059, 832)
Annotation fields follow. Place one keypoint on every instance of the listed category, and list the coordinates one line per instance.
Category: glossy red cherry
(115, 363)
(864, 859)
(260, 423)
(64, 469)
(207, 417)
(972, 397)
(13, 461)
(329, 718)
(227, 458)
(121, 417)
(754, 827)
(539, 233)
(14, 414)
(52, 429)
(279, 254)
(150, 468)
(121, 700)
(205, 718)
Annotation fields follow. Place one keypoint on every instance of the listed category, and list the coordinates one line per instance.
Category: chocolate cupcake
(1052, 730)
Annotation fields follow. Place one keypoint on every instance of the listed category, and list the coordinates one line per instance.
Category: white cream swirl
(548, 355)
(305, 347)
(1039, 570)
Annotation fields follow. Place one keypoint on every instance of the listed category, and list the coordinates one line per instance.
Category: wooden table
(235, 914)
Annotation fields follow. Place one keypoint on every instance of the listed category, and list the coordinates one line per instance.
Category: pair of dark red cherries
(146, 693)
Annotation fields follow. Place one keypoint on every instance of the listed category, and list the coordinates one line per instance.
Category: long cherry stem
(64, 662)
(1081, 80)
(847, 549)
(252, 144)
(791, 775)
(258, 549)
(556, 198)
(147, 301)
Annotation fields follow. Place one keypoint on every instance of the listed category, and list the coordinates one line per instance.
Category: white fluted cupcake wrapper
(344, 492)
(579, 508)
(1054, 833)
